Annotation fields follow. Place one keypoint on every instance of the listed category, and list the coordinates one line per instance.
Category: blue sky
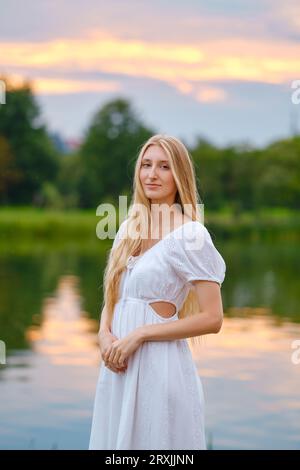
(217, 69)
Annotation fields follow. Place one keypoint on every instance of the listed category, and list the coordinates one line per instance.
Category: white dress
(158, 403)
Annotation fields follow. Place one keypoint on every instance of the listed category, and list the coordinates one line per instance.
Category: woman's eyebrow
(160, 161)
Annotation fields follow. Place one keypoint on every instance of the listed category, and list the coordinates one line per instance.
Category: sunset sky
(219, 69)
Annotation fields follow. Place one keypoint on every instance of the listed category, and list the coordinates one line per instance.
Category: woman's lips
(153, 185)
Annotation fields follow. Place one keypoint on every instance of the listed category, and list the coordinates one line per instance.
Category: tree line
(33, 171)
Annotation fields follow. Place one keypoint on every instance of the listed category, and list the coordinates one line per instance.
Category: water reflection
(49, 312)
(251, 384)
(47, 390)
(65, 335)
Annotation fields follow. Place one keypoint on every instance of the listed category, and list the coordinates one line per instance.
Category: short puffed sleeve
(195, 257)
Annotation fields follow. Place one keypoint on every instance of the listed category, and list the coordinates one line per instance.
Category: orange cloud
(210, 94)
(181, 66)
(45, 85)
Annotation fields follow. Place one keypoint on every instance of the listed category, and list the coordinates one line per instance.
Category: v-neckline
(138, 257)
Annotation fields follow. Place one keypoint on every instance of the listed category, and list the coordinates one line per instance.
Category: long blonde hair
(187, 198)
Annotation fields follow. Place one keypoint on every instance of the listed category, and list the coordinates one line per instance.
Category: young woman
(157, 293)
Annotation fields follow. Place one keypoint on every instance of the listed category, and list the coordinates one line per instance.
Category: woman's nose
(152, 171)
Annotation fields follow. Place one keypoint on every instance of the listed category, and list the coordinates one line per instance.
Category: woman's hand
(106, 339)
(120, 350)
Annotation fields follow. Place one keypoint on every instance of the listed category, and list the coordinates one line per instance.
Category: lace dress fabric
(158, 403)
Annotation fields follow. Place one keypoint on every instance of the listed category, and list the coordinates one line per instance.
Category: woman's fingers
(114, 368)
(113, 360)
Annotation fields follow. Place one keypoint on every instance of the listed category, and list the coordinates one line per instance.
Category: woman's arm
(106, 339)
(208, 320)
(104, 322)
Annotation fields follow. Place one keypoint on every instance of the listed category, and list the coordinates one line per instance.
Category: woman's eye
(147, 164)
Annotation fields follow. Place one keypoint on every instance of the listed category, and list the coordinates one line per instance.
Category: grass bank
(27, 223)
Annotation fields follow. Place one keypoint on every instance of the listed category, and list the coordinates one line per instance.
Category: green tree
(68, 179)
(9, 173)
(35, 159)
(109, 151)
(208, 167)
(279, 178)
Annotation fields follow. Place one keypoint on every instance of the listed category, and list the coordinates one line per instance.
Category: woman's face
(155, 168)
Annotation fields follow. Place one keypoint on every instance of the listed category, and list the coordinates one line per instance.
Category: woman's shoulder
(185, 231)
(193, 254)
(192, 237)
(191, 229)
